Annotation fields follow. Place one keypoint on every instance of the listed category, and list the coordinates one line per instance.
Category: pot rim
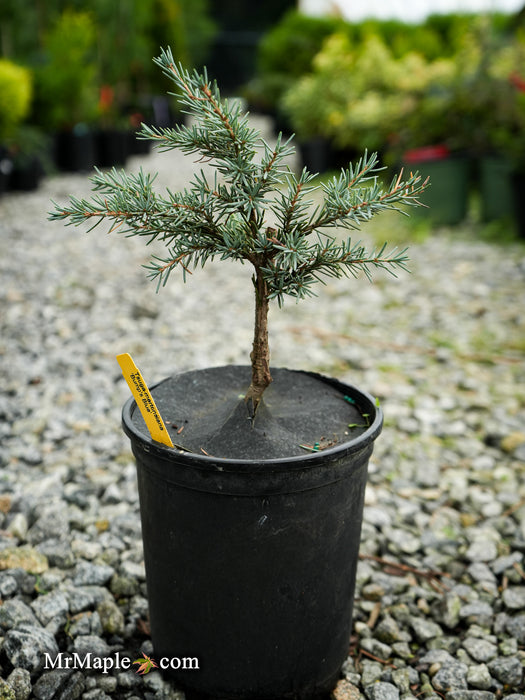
(206, 462)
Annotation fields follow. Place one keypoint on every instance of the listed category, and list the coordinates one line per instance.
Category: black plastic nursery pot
(75, 151)
(251, 562)
(112, 147)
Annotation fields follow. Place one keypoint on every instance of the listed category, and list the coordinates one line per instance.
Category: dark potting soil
(205, 413)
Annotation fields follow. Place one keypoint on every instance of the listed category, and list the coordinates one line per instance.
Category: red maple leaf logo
(145, 665)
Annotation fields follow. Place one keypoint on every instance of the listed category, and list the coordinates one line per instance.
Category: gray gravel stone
(51, 683)
(20, 681)
(480, 649)
(506, 562)
(508, 647)
(6, 692)
(123, 587)
(514, 598)
(470, 695)
(85, 623)
(18, 526)
(8, 585)
(482, 551)
(51, 525)
(15, 612)
(371, 672)
(91, 644)
(376, 648)
(478, 613)
(95, 694)
(478, 676)
(402, 541)
(450, 676)
(402, 679)
(89, 574)
(481, 572)
(515, 626)
(111, 617)
(128, 680)
(402, 650)
(74, 688)
(508, 670)
(58, 553)
(85, 597)
(387, 630)
(449, 608)
(26, 646)
(425, 629)
(51, 610)
(382, 691)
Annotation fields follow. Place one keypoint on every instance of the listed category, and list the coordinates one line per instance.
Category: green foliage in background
(368, 93)
(362, 94)
(286, 53)
(66, 83)
(117, 42)
(15, 97)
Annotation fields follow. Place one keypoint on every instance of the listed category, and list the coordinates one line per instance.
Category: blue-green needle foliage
(253, 208)
(227, 216)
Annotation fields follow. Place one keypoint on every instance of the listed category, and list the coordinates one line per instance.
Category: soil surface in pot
(205, 413)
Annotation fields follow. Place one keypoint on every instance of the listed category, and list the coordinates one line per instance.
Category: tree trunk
(260, 355)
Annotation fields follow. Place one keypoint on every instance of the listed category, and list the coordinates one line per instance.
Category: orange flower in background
(136, 119)
(107, 96)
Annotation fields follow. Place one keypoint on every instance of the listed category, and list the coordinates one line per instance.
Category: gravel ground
(440, 601)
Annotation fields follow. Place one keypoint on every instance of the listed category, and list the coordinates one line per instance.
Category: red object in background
(518, 82)
(106, 98)
(136, 119)
(419, 155)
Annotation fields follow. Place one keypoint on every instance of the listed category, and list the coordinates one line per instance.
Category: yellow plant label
(144, 399)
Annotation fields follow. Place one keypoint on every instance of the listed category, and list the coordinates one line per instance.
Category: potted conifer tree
(251, 521)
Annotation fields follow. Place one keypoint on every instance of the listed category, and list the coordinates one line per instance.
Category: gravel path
(440, 608)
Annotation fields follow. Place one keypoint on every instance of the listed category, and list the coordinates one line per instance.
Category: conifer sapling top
(254, 209)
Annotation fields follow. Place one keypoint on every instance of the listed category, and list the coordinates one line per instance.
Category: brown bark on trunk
(260, 355)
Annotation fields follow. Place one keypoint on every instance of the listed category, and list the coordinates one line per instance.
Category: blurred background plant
(452, 85)
(66, 91)
(285, 53)
(369, 94)
(91, 68)
(16, 93)
(15, 97)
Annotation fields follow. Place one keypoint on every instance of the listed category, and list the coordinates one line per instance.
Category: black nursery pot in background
(75, 151)
(112, 147)
(251, 562)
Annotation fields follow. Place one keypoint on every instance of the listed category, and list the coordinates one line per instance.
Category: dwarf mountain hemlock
(254, 209)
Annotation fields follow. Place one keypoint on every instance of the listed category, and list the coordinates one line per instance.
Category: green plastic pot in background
(496, 189)
(447, 197)
(518, 192)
